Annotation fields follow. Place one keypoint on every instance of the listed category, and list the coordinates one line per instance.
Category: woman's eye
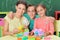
(23, 9)
(19, 8)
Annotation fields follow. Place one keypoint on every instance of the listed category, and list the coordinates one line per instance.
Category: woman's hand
(15, 31)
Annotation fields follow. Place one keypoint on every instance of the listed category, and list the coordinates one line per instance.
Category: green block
(59, 34)
(0, 31)
(32, 39)
(24, 38)
(19, 35)
(4, 12)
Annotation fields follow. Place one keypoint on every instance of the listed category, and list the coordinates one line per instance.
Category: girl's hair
(31, 6)
(21, 2)
(41, 6)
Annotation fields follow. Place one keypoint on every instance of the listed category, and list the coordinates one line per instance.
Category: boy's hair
(30, 5)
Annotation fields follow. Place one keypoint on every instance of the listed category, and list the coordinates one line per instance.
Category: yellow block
(21, 28)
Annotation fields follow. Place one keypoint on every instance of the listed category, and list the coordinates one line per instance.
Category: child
(30, 16)
(13, 22)
(43, 23)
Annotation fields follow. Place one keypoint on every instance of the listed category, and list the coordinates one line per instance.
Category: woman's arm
(6, 29)
(10, 15)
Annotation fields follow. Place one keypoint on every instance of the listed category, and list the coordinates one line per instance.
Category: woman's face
(41, 11)
(21, 8)
(31, 11)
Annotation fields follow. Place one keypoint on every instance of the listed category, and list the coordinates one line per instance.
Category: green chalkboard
(7, 5)
(51, 5)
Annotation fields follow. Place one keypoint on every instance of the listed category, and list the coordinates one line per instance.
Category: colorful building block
(57, 26)
(25, 38)
(38, 32)
(31, 38)
(21, 28)
(38, 38)
(19, 39)
(19, 34)
(1, 22)
(1, 31)
(26, 32)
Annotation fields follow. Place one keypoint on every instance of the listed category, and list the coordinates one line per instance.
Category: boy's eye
(31, 11)
(41, 10)
(38, 11)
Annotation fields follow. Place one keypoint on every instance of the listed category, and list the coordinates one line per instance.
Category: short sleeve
(7, 18)
(51, 27)
(25, 21)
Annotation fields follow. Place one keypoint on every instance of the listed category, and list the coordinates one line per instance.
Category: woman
(12, 24)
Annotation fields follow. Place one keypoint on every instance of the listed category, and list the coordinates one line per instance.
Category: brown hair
(21, 2)
(41, 6)
(30, 6)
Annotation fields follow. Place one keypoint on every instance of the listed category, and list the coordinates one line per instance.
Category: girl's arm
(51, 27)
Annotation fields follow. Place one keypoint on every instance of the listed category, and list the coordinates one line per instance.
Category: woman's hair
(30, 5)
(21, 2)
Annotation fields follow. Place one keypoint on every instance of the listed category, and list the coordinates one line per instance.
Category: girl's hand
(47, 34)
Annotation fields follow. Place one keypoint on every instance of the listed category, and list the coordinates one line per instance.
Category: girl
(43, 23)
(12, 24)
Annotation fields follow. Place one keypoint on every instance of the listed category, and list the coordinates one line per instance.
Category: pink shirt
(45, 24)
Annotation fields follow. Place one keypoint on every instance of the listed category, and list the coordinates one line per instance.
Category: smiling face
(31, 11)
(41, 10)
(20, 8)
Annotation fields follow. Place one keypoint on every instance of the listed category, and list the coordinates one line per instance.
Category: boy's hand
(25, 27)
(31, 33)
